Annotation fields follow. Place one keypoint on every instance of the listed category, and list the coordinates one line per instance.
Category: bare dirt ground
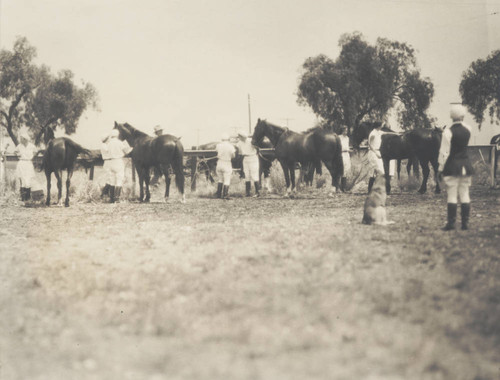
(266, 288)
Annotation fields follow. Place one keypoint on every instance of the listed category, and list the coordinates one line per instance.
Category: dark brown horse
(60, 154)
(162, 152)
(315, 146)
(421, 143)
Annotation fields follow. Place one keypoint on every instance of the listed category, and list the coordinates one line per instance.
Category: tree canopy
(366, 82)
(480, 88)
(31, 95)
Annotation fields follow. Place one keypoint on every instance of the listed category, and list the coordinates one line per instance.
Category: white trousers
(224, 171)
(251, 168)
(377, 165)
(25, 172)
(457, 187)
(116, 168)
(346, 158)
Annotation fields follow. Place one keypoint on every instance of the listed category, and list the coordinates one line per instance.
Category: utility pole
(2, 158)
(249, 117)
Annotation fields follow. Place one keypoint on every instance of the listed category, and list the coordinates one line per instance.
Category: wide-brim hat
(158, 128)
(114, 133)
(243, 135)
(224, 137)
(23, 133)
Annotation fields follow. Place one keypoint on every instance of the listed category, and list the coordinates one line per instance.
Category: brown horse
(313, 147)
(162, 152)
(495, 140)
(60, 154)
(421, 143)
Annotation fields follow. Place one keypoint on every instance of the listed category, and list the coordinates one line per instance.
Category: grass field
(261, 288)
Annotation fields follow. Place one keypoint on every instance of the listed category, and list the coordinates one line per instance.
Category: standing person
(455, 167)
(225, 152)
(116, 150)
(106, 190)
(158, 130)
(250, 163)
(346, 158)
(374, 156)
(25, 171)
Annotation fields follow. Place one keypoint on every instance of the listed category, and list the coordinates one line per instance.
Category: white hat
(23, 133)
(158, 128)
(457, 111)
(114, 133)
(225, 137)
(243, 134)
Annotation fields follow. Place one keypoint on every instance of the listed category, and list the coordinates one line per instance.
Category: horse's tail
(178, 166)
(338, 161)
(78, 148)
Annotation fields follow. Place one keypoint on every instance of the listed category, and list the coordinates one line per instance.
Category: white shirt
(246, 148)
(375, 139)
(225, 151)
(344, 142)
(25, 152)
(115, 148)
(444, 150)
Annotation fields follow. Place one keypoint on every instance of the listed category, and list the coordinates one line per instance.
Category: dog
(374, 209)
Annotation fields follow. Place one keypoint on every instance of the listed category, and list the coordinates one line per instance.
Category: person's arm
(370, 145)
(444, 150)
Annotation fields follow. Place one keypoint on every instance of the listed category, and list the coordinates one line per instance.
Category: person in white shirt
(250, 163)
(455, 168)
(106, 190)
(346, 158)
(225, 152)
(158, 130)
(25, 171)
(115, 150)
(374, 156)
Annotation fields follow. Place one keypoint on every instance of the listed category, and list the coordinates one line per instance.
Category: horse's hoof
(421, 191)
(66, 204)
(438, 191)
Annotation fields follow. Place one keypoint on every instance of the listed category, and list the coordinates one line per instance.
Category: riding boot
(452, 217)
(225, 194)
(257, 188)
(118, 191)
(112, 194)
(28, 193)
(465, 212)
(371, 181)
(219, 190)
(248, 187)
(105, 190)
(343, 184)
(23, 193)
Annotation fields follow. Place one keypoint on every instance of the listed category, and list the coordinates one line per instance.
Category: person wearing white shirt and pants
(115, 150)
(25, 171)
(225, 152)
(250, 163)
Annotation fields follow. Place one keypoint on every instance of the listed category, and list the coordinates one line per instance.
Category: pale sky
(190, 65)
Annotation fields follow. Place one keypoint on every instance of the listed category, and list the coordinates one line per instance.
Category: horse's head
(259, 132)
(362, 132)
(47, 134)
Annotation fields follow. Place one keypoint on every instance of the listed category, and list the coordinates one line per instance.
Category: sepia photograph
(249, 190)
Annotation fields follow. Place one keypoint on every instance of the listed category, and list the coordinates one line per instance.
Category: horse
(420, 144)
(60, 154)
(163, 152)
(315, 146)
(208, 164)
(495, 140)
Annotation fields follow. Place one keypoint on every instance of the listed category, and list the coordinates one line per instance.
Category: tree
(58, 102)
(18, 77)
(366, 82)
(480, 88)
(31, 95)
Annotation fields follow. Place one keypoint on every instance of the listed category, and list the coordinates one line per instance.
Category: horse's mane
(134, 131)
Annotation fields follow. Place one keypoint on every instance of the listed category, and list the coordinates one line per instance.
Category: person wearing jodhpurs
(455, 168)
(225, 152)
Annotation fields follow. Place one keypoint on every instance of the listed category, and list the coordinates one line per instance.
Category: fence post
(492, 165)
(194, 165)
(91, 174)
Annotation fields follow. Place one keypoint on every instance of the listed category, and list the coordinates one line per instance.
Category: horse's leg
(58, 174)
(146, 182)
(399, 170)
(291, 168)
(387, 175)
(408, 168)
(425, 171)
(141, 184)
(333, 174)
(284, 166)
(164, 169)
(68, 180)
(48, 175)
(435, 166)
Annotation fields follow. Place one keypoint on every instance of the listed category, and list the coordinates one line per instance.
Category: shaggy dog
(374, 210)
